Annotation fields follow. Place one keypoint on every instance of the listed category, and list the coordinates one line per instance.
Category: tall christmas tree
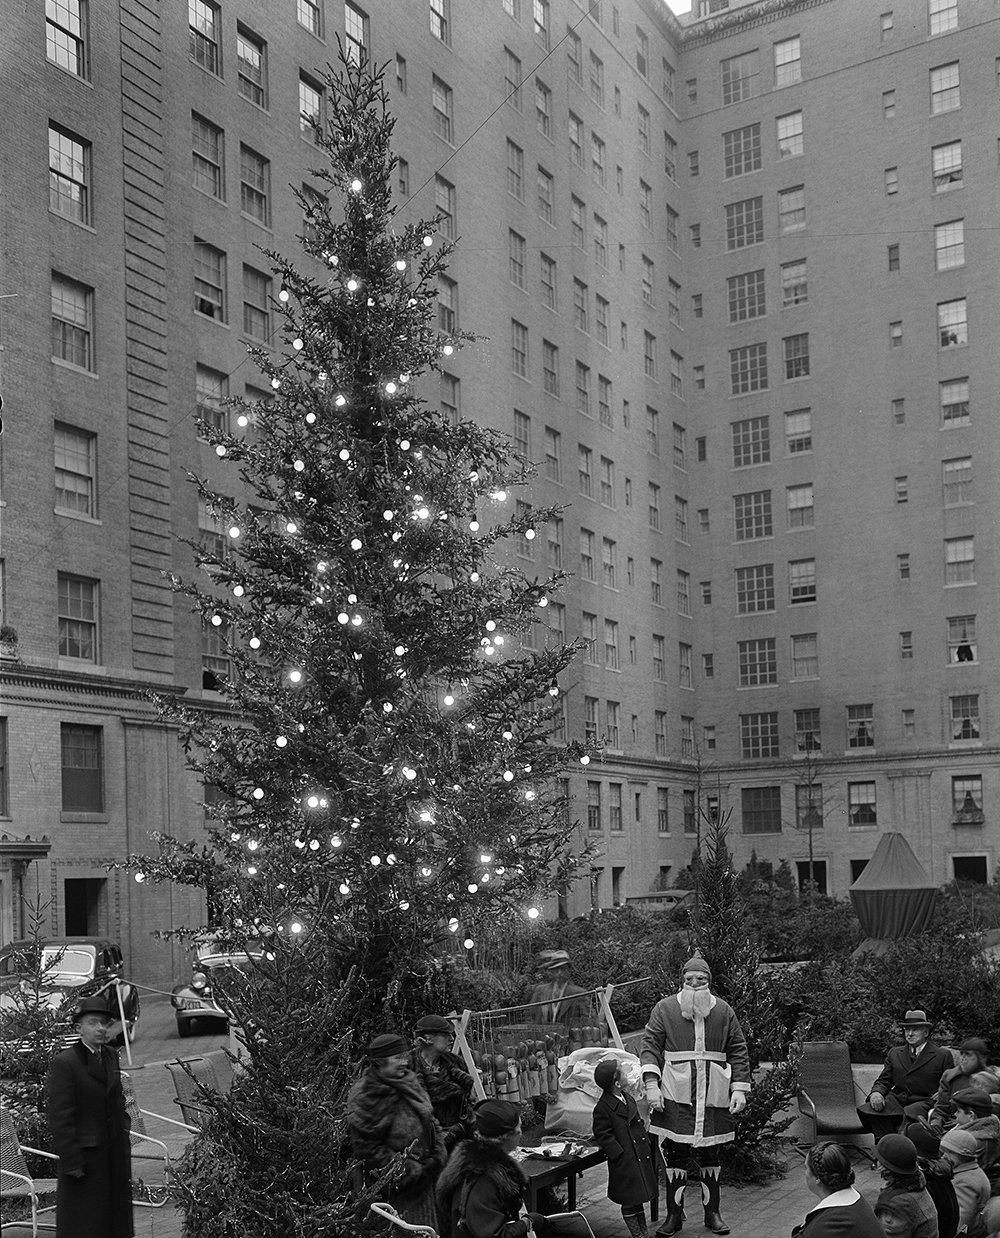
(386, 773)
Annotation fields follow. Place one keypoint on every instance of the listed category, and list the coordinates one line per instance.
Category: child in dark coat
(621, 1135)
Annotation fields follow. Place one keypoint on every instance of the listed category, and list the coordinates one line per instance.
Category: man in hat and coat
(697, 1076)
(443, 1074)
(558, 999)
(391, 1122)
(481, 1189)
(904, 1091)
(90, 1132)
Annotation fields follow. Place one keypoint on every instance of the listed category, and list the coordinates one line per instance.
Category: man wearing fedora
(90, 1132)
(558, 999)
(904, 1091)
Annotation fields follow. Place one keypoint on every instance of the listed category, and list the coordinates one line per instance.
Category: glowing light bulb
(258, 793)
(474, 577)
(498, 640)
(352, 285)
(390, 388)
(404, 444)
(355, 543)
(491, 625)
(281, 741)
(387, 707)
(356, 185)
(313, 801)
(356, 621)
(508, 734)
(251, 871)
(344, 454)
(295, 676)
(533, 913)
(295, 926)
(220, 451)
(298, 345)
(253, 844)
(345, 888)
(310, 419)
(291, 527)
(508, 775)
(343, 617)
(449, 699)
(299, 466)
(585, 760)
(238, 591)
(399, 650)
(422, 513)
(529, 535)
(408, 773)
(474, 526)
(447, 350)
(472, 887)
(425, 872)
(543, 602)
(254, 642)
(387, 514)
(340, 401)
(427, 817)
(468, 943)
(283, 295)
(376, 860)
(529, 796)
(400, 264)
(428, 241)
(276, 383)
(243, 421)
(140, 878)
(404, 906)
(500, 496)
(554, 690)
(336, 841)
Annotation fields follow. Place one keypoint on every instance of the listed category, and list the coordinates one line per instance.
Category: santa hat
(697, 963)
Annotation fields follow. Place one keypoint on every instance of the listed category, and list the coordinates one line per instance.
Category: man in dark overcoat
(90, 1132)
(905, 1089)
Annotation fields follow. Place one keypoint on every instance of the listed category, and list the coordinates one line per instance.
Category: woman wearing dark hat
(90, 1132)
(841, 1210)
(974, 1113)
(480, 1190)
(621, 1135)
(904, 1206)
(391, 1122)
(909, 1079)
(448, 1083)
(972, 1055)
(938, 1174)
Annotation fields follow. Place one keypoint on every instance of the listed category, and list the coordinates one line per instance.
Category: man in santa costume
(697, 1076)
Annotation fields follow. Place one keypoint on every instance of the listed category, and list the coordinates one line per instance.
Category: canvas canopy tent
(893, 897)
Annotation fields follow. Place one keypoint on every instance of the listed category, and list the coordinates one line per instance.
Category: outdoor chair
(192, 1079)
(829, 1098)
(16, 1182)
(388, 1213)
(145, 1148)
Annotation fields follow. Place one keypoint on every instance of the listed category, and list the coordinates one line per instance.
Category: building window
(574, 56)
(787, 62)
(902, 489)
(594, 795)
(583, 389)
(942, 16)
(310, 110)
(685, 672)
(543, 108)
(670, 228)
(72, 322)
(801, 581)
(654, 505)
(519, 348)
(954, 402)
(69, 175)
(642, 51)
(752, 513)
(751, 442)
(597, 79)
(758, 662)
(442, 103)
(515, 170)
(758, 735)
(444, 205)
(251, 66)
(794, 283)
(789, 133)
(761, 810)
(550, 368)
(741, 151)
(607, 482)
(909, 721)
(809, 807)
(861, 726)
(805, 656)
(355, 33)
(903, 566)
(512, 79)
(522, 435)
(611, 645)
(906, 645)
(75, 470)
(893, 254)
(401, 74)
(440, 18)
(679, 446)
(451, 403)
(949, 245)
(580, 315)
(967, 799)
(669, 155)
(614, 804)
(587, 566)
(798, 431)
(689, 812)
(895, 335)
(550, 294)
(962, 645)
(748, 369)
(861, 809)
(959, 561)
(676, 375)
(546, 197)
(649, 354)
(601, 242)
(792, 209)
(310, 15)
(604, 400)
(660, 733)
(215, 661)
(739, 75)
(808, 736)
(669, 81)
(78, 618)
(644, 138)
(891, 181)
(256, 304)
(956, 477)
(82, 768)
(747, 297)
(800, 506)
(885, 27)
(204, 32)
(585, 465)
(655, 582)
(708, 666)
(755, 589)
(516, 259)
(540, 22)
(447, 305)
(888, 104)
(945, 92)
(946, 166)
(66, 38)
(662, 811)
(207, 157)
(589, 634)
(211, 392)
(597, 159)
(255, 185)
(680, 518)
(964, 717)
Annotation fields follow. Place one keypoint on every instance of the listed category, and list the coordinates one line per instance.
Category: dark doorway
(970, 868)
(818, 874)
(84, 899)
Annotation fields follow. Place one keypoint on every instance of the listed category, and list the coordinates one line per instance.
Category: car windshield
(67, 961)
(224, 960)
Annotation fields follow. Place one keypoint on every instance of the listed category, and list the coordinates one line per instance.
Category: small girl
(621, 1135)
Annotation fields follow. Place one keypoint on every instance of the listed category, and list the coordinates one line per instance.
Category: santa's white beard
(695, 1003)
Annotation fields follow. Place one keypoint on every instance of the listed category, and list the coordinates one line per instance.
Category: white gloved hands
(653, 1094)
(737, 1102)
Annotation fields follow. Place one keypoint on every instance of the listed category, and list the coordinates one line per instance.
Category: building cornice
(734, 21)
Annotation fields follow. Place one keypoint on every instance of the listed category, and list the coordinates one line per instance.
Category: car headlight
(199, 980)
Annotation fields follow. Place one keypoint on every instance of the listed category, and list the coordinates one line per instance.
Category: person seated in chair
(971, 1062)
(909, 1080)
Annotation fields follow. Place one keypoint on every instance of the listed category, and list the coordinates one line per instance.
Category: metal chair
(145, 1148)
(192, 1079)
(388, 1213)
(15, 1181)
(829, 1098)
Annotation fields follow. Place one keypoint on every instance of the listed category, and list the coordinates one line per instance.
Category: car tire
(184, 1027)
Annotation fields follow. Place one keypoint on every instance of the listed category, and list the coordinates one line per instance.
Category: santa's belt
(696, 1055)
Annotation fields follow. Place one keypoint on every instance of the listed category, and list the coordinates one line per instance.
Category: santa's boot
(710, 1199)
(635, 1223)
(672, 1222)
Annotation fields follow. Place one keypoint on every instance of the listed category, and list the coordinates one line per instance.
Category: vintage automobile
(196, 1000)
(71, 968)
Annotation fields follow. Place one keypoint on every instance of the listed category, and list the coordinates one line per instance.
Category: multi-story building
(738, 279)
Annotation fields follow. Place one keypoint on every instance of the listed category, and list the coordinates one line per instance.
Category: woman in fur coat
(390, 1120)
(621, 1135)
(480, 1191)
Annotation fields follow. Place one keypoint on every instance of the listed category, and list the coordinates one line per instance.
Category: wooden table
(544, 1171)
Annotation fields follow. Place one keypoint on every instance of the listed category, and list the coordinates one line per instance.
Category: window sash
(74, 470)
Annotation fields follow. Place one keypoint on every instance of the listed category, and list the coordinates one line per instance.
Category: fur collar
(475, 1158)
(987, 1127)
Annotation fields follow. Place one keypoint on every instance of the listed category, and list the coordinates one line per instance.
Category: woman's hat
(973, 1044)
(606, 1072)
(432, 1023)
(975, 1100)
(962, 1143)
(91, 1005)
(897, 1154)
(387, 1045)
(496, 1117)
(924, 1140)
(915, 1018)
